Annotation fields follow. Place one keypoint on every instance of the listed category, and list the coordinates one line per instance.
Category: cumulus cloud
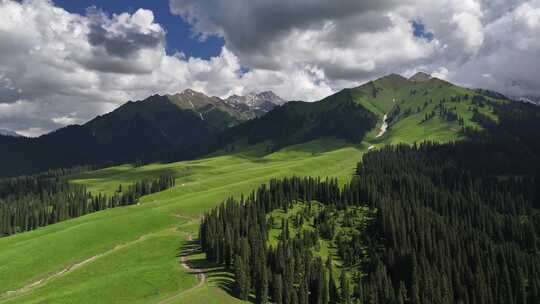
(59, 68)
(508, 59)
(350, 42)
(122, 40)
(359, 40)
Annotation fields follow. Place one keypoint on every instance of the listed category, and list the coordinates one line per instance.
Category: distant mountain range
(191, 124)
(133, 131)
(5, 132)
(258, 104)
(529, 99)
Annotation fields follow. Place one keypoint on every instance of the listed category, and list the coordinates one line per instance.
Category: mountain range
(135, 130)
(6, 132)
(258, 104)
(535, 100)
(383, 183)
(190, 124)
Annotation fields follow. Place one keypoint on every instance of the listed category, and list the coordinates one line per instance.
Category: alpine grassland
(131, 254)
(137, 253)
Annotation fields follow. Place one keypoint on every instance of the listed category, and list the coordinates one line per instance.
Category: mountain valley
(345, 176)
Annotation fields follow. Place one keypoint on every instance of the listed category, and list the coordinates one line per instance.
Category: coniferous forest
(29, 202)
(454, 223)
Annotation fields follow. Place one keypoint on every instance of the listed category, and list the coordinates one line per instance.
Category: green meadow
(130, 254)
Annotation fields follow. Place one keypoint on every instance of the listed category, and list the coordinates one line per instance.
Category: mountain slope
(133, 131)
(133, 252)
(391, 109)
(149, 235)
(298, 122)
(295, 122)
(259, 104)
(4, 132)
(424, 109)
(191, 124)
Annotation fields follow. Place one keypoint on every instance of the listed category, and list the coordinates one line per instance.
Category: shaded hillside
(66, 147)
(295, 122)
(430, 223)
(191, 124)
(134, 131)
(417, 109)
(9, 133)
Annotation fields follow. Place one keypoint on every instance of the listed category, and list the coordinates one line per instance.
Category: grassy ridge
(420, 98)
(201, 184)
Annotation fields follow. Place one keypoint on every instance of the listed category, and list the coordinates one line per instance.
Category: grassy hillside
(407, 102)
(137, 246)
(130, 254)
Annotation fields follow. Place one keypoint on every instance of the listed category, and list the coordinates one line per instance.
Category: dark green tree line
(29, 202)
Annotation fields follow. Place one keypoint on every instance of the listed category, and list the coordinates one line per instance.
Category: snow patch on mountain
(529, 99)
(261, 102)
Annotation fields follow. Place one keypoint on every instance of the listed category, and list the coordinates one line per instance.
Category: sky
(63, 62)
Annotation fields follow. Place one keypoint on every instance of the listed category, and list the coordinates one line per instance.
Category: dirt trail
(31, 286)
(198, 272)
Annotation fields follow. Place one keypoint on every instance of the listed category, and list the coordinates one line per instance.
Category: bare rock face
(420, 77)
(259, 103)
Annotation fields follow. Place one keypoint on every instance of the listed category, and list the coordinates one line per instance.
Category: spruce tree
(333, 295)
(278, 289)
(345, 288)
(261, 291)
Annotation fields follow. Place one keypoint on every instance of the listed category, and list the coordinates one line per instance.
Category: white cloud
(469, 30)
(441, 73)
(66, 119)
(509, 55)
(59, 68)
(359, 40)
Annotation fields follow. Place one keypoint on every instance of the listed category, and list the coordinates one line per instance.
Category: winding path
(198, 272)
(35, 284)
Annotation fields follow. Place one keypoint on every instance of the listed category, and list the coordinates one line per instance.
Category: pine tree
(333, 295)
(303, 293)
(241, 279)
(402, 293)
(345, 288)
(278, 289)
(261, 292)
(325, 292)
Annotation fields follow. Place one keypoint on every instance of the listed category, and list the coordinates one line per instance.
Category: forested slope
(454, 223)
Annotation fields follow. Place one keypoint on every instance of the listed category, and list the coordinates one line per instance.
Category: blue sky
(419, 30)
(179, 34)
